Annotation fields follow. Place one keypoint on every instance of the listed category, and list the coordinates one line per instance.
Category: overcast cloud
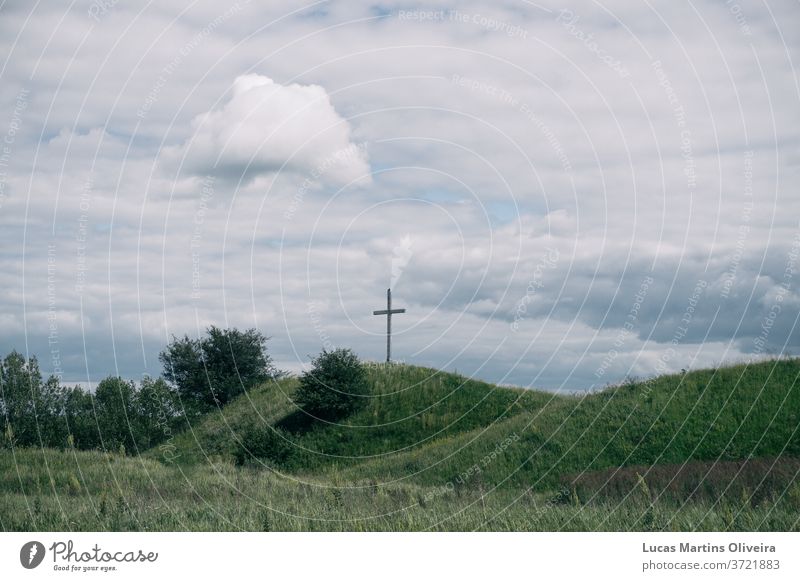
(560, 194)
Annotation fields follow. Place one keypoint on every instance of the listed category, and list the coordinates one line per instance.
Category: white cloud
(266, 127)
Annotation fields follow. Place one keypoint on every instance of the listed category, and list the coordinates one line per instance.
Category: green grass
(437, 451)
(409, 408)
(43, 490)
(428, 427)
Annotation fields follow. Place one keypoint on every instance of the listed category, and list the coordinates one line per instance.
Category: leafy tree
(213, 370)
(334, 387)
(34, 412)
(49, 413)
(19, 380)
(79, 418)
(117, 417)
(235, 361)
(159, 411)
(29, 407)
(183, 367)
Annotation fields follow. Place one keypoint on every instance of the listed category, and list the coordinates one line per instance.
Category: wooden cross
(389, 312)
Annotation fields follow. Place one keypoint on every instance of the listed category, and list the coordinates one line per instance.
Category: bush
(263, 442)
(213, 370)
(334, 387)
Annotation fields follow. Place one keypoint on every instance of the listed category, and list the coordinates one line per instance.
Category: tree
(20, 380)
(213, 370)
(29, 407)
(183, 367)
(49, 413)
(334, 387)
(117, 417)
(34, 412)
(80, 420)
(159, 411)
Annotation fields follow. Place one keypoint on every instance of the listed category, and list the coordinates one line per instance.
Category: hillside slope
(438, 429)
(724, 414)
(410, 407)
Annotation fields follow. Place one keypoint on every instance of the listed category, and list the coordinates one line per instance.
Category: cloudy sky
(560, 194)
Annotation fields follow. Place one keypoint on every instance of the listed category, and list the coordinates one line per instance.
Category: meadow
(712, 449)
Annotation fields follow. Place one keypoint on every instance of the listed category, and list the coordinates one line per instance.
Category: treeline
(119, 415)
(199, 376)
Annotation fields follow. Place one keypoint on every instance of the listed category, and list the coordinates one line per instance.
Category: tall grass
(90, 491)
(438, 451)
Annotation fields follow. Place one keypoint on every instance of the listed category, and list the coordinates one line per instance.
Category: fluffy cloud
(266, 127)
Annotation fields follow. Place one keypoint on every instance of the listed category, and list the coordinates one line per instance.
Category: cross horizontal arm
(391, 312)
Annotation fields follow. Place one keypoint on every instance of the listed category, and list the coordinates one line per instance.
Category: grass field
(705, 450)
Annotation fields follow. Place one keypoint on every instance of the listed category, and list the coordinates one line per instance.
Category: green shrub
(211, 371)
(334, 387)
(263, 443)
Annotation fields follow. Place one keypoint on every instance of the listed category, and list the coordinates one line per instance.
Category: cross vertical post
(389, 312)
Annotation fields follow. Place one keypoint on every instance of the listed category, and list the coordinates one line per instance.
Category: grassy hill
(724, 414)
(409, 408)
(713, 449)
(430, 428)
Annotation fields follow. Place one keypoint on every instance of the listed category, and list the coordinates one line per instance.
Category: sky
(561, 195)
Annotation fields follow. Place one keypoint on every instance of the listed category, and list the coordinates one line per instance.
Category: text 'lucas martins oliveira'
(708, 548)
